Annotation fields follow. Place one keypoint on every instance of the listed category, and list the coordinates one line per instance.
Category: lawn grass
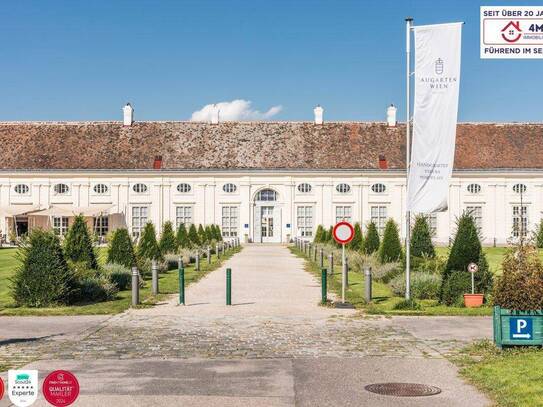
(383, 301)
(168, 284)
(512, 377)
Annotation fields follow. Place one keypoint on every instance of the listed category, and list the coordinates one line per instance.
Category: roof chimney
(215, 115)
(128, 115)
(318, 114)
(391, 116)
(157, 164)
(383, 164)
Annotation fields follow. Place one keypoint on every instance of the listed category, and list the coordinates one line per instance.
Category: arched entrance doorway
(267, 216)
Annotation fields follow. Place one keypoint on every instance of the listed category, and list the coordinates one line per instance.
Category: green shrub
(182, 236)
(118, 274)
(120, 249)
(318, 234)
(96, 289)
(538, 235)
(356, 243)
(425, 264)
(410, 304)
(371, 242)
(424, 286)
(209, 234)
(202, 235)
(78, 244)
(520, 287)
(421, 239)
(453, 290)
(42, 277)
(218, 233)
(194, 239)
(80, 270)
(148, 246)
(391, 247)
(168, 242)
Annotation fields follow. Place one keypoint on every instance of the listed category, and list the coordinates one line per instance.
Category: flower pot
(473, 300)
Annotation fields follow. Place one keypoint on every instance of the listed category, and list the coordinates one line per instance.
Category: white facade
(297, 210)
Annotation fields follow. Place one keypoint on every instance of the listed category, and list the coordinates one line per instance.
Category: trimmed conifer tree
(194, 239)
(371, 242)
(182, 237)
(202, 234)
(168, 243)
(391, 246)
(120, 249)
(42, 278)
(318, 234)
(538, 235)
(209, 234)
(356, 243)
(330, 235)
(421, 239)
(78, 244)
(148, 246)
(218, 232)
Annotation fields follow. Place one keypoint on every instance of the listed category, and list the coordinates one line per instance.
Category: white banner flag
(437, 81)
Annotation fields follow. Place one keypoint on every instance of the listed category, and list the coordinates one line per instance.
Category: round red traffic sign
(473, 268)
(343, 232)
(60, 388)
(1, 388)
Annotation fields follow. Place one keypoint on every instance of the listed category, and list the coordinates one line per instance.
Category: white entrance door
(267, 224)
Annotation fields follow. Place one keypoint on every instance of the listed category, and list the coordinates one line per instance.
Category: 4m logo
(23, 387)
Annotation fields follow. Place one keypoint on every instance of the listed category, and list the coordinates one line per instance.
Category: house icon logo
(512, 32)
(439, 66)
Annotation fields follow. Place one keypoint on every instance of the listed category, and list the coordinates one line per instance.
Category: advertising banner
(437, 82)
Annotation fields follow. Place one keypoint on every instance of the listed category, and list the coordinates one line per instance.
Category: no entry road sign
(343, 232)
(473, 268)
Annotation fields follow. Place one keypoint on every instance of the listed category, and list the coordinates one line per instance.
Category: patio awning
(68, 210)
(17, 210)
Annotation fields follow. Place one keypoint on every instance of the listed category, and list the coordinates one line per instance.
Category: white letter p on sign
(521, 324)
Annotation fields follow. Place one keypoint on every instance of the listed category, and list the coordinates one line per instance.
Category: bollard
(135, 286)
(154, 272)
(208, 255)
(228, 286)
(331, 263)
(217, 251)
(197, 264)
(346, 266)
(315, 254)
(181, 282)
(324, 286)
(321, 263)
(368, 293)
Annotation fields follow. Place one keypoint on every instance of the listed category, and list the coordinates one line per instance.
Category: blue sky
(82, 60)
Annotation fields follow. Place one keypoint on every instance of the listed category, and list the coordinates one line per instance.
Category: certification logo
(23, 387)
(60, 388)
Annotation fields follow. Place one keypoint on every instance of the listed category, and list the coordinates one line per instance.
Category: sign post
(343, 233)
(473, 268)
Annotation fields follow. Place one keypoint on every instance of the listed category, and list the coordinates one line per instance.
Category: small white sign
(23, 387)
(473, 268)
(512, 32)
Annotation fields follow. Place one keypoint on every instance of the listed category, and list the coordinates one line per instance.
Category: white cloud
(236, 110)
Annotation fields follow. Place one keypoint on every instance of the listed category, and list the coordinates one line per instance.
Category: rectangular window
(60, 225)
(140, 216)
(520, 221)
(476, 213)
(379, 217)
(432, 223)
(344, 213)
(305, 221)
(101, 225)
(183, 215)
(230, 221)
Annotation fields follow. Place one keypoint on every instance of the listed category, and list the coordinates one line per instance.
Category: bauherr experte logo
(23, 387)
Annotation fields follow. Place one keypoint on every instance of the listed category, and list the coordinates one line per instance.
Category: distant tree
(193, 236)
(218, 233)
(209, 233)
(148, 246)
(391, 246)
(538, 235)
(182, 237)
(330, 235)
(421, 239)
(168, 242)
(356, 243)
(78, 244)
(371, 242)
(202, 234)
(120, 249)
(318, 234)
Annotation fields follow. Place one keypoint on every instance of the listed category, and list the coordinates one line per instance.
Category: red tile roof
(252, 145)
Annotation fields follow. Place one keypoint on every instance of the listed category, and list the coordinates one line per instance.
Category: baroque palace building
(260, 181)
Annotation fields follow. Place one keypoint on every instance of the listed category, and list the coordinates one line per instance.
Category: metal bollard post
(368, 293)
(346, 266)
(217, 251)
(324, 286)
(154, 273)
(321, 263)
(197, 264)
(181, 282)
(228, 286)
(331, 263)
(208, 255)
(315, 254)
(135, 286)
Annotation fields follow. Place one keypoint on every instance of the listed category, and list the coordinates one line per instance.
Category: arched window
(266, 195)
(22, 189)
(139, 188)
(474, 188)
(304, 188)
(100, 189)
(183, 188)
(61, 189)
(343, 188)
(378, 188)
(229, 188)
(519, 188)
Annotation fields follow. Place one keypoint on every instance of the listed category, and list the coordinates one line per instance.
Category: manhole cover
(403, 389)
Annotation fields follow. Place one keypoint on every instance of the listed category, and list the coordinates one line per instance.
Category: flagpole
(408, 25)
